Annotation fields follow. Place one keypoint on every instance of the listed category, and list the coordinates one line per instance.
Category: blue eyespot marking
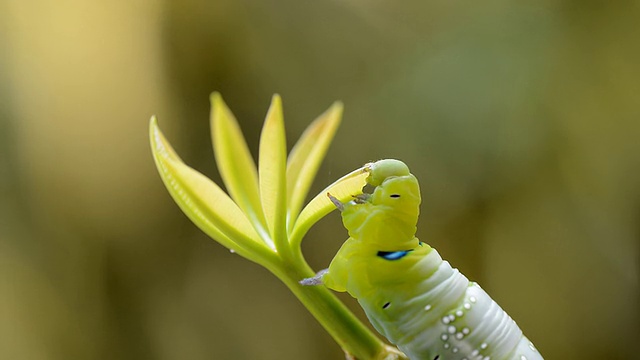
(393, 255)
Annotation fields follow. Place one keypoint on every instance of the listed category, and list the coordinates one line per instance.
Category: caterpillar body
(410, 294)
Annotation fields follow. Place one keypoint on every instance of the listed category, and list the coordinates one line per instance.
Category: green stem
(353, 336)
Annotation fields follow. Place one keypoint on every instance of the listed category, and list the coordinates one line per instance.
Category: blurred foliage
(520, 118)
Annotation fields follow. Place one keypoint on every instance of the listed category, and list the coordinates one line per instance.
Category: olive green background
(520, 118)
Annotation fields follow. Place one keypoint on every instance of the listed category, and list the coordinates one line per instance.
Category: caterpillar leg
(339, 205)
(361, 198)
(316, 280)
(358, 199)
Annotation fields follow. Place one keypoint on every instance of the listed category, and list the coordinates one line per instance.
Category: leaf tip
(153, 129)
(337, 108)
(215, 97)
(275, 109)
(220, 112)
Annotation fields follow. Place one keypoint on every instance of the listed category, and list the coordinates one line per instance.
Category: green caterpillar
(411, 296)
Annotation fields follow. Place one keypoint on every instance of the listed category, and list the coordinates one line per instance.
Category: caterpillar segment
(418, 301)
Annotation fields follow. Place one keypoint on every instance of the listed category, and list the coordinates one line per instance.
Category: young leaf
(236, 166)
(208, 206)
(272, 171)
(306, 156)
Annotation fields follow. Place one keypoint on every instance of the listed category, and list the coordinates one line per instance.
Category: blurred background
(520, 118)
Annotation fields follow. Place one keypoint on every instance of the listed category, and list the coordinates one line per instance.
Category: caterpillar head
(381, 170)
(388, 216)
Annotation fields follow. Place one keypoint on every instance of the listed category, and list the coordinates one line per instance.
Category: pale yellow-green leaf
(236, 166)
(306, 157)
(272, 169)
(343, 189)
(208, 206)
